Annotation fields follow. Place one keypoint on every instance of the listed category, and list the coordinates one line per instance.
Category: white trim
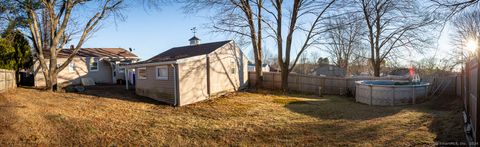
(174, 85)
(156, 73)
(139, 77)
(149, 64)
(71, 66)
(91, 61)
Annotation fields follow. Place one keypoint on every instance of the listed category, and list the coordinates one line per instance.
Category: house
(265, 67)
(98, 64)
(329, 70)
(188, 74)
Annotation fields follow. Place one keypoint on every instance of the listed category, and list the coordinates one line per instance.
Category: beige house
(189, 74)
(98, 64)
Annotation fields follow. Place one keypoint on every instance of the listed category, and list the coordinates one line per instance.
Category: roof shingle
(95, 52)
(186, 51)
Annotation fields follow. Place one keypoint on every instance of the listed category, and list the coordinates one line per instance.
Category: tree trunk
(259, 55)
(284, 75)
(48, 82)
(376, 69)
(52, 82)
(52, 72)
(258, 74)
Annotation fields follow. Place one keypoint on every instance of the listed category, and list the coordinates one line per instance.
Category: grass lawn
(109, 115)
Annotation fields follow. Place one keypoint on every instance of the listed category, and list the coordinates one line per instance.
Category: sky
(150, 32)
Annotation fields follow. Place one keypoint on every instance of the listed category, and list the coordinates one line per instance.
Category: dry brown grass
(109, 115)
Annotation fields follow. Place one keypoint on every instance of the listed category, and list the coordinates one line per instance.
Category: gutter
(149, 64)
(174, 85)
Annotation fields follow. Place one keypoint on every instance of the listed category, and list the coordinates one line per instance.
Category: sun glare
(471, 45)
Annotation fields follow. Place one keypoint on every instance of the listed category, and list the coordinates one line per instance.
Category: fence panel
(344, 85)
(470, 88)
(7, 80)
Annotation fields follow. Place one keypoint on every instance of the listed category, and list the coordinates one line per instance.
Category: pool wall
(390, 95)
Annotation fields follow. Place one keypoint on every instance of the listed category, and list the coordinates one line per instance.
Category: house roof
(194, 38)
(325, 70)
(186, 51)
(95, 52)
(263, 65)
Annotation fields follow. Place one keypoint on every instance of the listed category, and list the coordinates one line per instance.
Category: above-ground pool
(390, 92)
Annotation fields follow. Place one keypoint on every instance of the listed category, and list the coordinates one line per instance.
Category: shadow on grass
(442, 114)
(117, 92)
(337, 107)
(448, 118)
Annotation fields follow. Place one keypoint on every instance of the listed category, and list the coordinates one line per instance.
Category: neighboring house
(98, 64)
(275, 68)
(265, 67)
(330, 70)
(188, 74)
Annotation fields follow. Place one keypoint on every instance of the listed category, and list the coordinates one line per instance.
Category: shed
(188, 74)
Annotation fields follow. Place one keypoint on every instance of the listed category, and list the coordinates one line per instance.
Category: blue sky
(151, 32)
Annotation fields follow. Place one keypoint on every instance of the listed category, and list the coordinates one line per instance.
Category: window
(142, 73)
(162, 72)
(233, 70)
(71, 67)
(93, 64)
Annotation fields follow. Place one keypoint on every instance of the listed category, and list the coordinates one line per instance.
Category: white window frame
(121, 70)
(233, 69)
(138, 73)
(71, 67)
(92, 60)
(157, 74)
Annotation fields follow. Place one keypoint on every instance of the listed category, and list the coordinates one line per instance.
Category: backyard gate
(7, 80)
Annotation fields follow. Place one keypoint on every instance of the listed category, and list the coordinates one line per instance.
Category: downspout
(126, 77)
(174, 85)
(207, 66)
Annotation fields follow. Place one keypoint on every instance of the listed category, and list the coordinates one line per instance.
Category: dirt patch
(110, 115)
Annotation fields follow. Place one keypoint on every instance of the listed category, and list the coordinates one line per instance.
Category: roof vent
(194, 40)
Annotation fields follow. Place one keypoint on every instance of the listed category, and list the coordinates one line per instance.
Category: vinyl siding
(81, 70)
(193, 74)
(193, 80)
(222, 62)
(161, 90)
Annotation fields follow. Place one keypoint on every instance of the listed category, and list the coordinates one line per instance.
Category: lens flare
(471, 45)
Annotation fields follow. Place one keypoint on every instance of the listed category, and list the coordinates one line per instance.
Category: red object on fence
(411, 71)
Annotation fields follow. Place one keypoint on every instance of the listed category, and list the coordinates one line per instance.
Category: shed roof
(186, 51)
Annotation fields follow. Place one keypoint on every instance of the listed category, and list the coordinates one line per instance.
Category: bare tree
(393, 25)
(48, 21)
(453, 7)
(467, 33)
(311, 29)
(239, 17)
(344, 38)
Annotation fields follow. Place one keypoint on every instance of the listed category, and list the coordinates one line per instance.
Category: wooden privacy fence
(312, 84)
(447, 85)
(469, 94)
(7, 80)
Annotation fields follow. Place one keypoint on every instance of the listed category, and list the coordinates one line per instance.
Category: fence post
(273, 81)
(467, 87)
(371, 94)
(413, 94)
(393, 97)
(299, 85)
